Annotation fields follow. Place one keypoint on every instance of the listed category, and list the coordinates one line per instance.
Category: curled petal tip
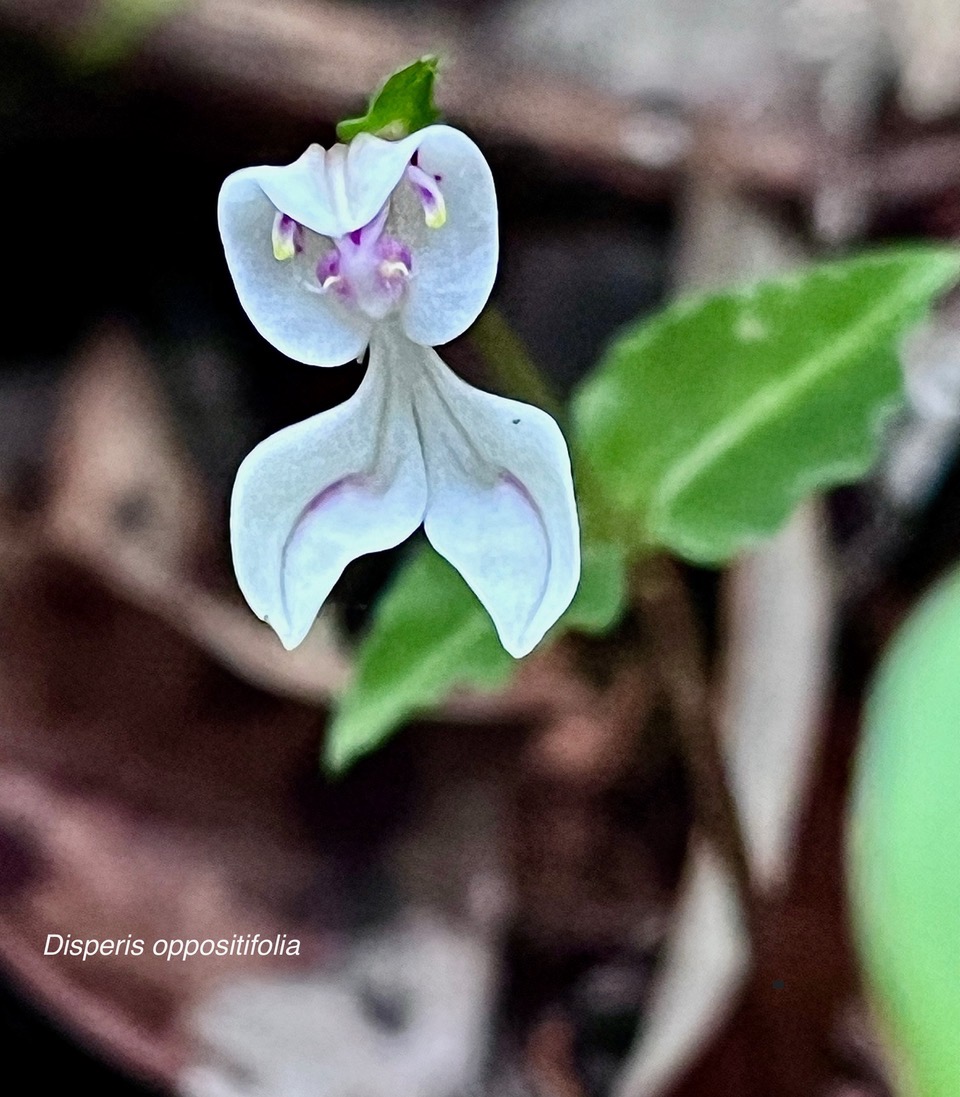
(283, 628)
(289, 638)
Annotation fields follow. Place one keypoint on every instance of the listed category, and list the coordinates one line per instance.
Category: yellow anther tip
(437, 217)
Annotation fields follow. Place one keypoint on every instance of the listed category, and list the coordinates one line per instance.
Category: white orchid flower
(391, 245)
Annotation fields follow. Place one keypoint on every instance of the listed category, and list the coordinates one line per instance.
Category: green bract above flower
(403, 105)
(391, 245)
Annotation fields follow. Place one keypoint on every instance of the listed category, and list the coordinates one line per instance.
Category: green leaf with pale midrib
(708, 423)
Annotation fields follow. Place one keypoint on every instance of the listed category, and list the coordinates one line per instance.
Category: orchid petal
(337, 191)
(334, 191)
(306, 326)
(456, 263)
(501, 507)
(316, 495)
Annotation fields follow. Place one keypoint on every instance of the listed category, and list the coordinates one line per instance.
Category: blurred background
(509, 900)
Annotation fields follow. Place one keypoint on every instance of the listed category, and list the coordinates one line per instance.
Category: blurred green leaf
(905, 846)
(709, 422)
(402, 106)
(113, 29)
(602, 595)
(429, 634)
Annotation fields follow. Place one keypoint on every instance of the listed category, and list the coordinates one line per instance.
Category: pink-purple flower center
(368, 268)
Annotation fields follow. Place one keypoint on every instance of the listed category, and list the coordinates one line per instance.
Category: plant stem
(510, 364)
(662, 593)
(517, 376)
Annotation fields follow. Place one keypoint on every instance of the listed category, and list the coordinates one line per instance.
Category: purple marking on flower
(391, 250)
(367, 269)
(325, 495)
(427, 190)
(321, 499)
(287, 237)
(512, 481)
(369, 233)
(508, 479)
(329, 266)
(394, 264)
(295, 229)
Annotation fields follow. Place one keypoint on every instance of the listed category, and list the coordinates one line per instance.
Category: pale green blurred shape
(429, 634)
(905, 847)
(113, 29)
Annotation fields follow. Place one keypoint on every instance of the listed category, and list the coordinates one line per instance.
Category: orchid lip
(367, 268)
(321, 499)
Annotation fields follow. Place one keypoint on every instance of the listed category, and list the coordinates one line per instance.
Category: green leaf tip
(709, 422)
(402, 106)
(429, 635)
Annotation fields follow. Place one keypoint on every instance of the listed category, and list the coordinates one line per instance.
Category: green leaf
(602, 595)
(402, 106)
(708, 423)
(905, 846)
(113, 29)
(429, 635)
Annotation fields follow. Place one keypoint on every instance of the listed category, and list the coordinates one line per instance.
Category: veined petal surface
(282, 299)
(500, 504)
(318, 494)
